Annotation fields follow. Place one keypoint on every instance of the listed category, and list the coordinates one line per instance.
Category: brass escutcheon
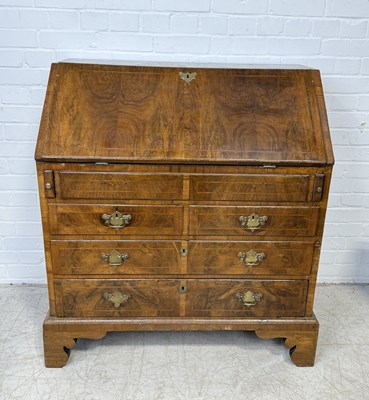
(249, 298)
(117, 298)
(183, 288)
(183, 252)
(115, 259)
(253, 222)
(251, 258)
(188, 77)
(116, 220)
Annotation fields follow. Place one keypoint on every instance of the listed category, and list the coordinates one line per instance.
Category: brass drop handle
(116, 220)
(117, 298)
(115, 259)
(249, 298)
(253, 222)
(251, 258)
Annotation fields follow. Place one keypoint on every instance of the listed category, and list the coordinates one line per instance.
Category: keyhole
(184, 252)
(183, 289)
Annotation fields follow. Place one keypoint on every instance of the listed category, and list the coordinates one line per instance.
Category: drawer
(249, 221)
(161, 298)
(66, 219)
(250, 258)
(115, 257)
(251, 187)
(118, 185)
(246, 298)
(117, 298)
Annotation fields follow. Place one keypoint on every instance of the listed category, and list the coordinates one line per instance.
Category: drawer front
(250, 187)
(249, 221)
(89, 220)
(245, 298)
(120, 186)
(117, 298)
(115, 257)
(250, 258)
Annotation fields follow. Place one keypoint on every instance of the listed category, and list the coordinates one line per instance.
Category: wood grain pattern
(204, 298)
(323, 116)
(143, 114)
(57, 346)
(276, 188)
(218, 298)
(281, 258)
(185, 169)
(301, 344)
(86, 219)
(186, 161)
(119, 186)
(145, 257)
(282, 221)
(85, 298)
(60, 333)
(46, 118)
(46, 235)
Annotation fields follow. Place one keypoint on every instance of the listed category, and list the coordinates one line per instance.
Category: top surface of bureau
(127, 114)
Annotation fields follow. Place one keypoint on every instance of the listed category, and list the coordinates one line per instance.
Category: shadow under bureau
(182, 199)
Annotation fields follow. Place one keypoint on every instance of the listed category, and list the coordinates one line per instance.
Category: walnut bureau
(181, 198)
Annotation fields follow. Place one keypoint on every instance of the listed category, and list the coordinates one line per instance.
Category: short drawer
(117, 298)
(115, 257)
(249, 221)
(121, 220)
(251, 187)
(117, 185)
(246, 298)
(250, 258)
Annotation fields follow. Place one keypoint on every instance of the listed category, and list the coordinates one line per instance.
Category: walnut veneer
(182, 199)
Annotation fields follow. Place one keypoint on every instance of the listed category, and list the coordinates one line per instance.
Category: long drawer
(115, 257)
(162, 298)
(250, 258)
(122, 220)
(249, 221)
(89, 257)
(276, 187)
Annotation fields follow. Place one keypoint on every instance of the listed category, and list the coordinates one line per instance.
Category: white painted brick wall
(155, 22)
(332, 35)
(124, 22)
(64, 20)
(96, 21)
(184, 23)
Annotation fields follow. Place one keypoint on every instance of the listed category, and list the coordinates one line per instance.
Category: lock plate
(188, 77)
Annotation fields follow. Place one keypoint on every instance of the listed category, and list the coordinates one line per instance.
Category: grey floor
(186, 365)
